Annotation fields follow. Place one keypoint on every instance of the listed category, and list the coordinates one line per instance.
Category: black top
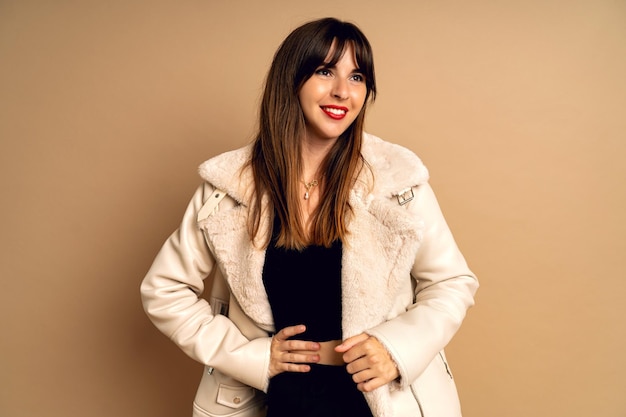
(304, 287)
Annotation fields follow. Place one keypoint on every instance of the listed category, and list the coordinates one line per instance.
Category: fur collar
(394, 167)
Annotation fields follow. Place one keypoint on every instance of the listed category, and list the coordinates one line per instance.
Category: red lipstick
(335, 112)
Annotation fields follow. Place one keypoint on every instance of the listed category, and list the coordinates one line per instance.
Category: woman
(343, 281)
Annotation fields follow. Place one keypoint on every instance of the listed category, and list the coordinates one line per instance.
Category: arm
(171, 298)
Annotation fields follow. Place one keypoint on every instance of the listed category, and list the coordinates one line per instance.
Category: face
(332, 98)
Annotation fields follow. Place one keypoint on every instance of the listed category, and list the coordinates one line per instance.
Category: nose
(340, 89)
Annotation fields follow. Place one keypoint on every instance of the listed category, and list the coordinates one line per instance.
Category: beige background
(106, 108)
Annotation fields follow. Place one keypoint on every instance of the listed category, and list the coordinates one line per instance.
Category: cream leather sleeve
(445, 289)
(171, 298)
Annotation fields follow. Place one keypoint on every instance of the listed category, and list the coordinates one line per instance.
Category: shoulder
(394, 167)
(227, 171)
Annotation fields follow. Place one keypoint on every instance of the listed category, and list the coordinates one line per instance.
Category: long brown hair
(276, 159)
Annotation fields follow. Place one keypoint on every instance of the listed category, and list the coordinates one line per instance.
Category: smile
(336, 112)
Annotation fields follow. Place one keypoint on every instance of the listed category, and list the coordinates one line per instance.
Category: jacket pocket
(445, 364)
(436, 391)
(222, 396)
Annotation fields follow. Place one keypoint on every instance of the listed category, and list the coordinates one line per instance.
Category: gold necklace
(308, 186)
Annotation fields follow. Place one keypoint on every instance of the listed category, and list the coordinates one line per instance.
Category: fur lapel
(373, 269)
(241, 262)
(378, 255)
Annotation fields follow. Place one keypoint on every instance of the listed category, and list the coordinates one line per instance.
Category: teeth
(338, 112)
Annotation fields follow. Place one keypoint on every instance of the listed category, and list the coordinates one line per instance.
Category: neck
(313, 154)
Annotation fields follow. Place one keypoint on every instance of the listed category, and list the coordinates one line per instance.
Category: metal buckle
(405, 196)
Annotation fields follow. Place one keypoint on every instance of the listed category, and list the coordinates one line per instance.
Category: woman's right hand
(291, 355)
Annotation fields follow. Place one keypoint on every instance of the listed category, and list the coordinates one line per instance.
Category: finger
(370, 385)
(350, 342)
(370, 348)
(363, 376)
(287, 362)
(380, 364)
(364, 347)
(357, 366)
(295, 367)
(290, 331)
(375, 362)
(299, 346)
(314, 352)
(296, 357)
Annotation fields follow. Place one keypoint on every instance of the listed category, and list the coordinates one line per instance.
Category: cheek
(310, 91)
(359, 98)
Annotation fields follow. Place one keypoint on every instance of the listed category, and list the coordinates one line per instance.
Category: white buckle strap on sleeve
(219, 297)
(211, 205)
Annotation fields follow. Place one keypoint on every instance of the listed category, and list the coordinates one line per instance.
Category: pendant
(308, 186)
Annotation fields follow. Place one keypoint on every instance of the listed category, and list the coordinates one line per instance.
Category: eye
(323, 71)
(357, 77)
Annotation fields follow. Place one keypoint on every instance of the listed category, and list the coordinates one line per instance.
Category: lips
(335, 112)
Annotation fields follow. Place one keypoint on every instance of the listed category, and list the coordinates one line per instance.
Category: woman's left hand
(368, 361)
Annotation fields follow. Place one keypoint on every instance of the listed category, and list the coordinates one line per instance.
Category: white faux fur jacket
(404, 281)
